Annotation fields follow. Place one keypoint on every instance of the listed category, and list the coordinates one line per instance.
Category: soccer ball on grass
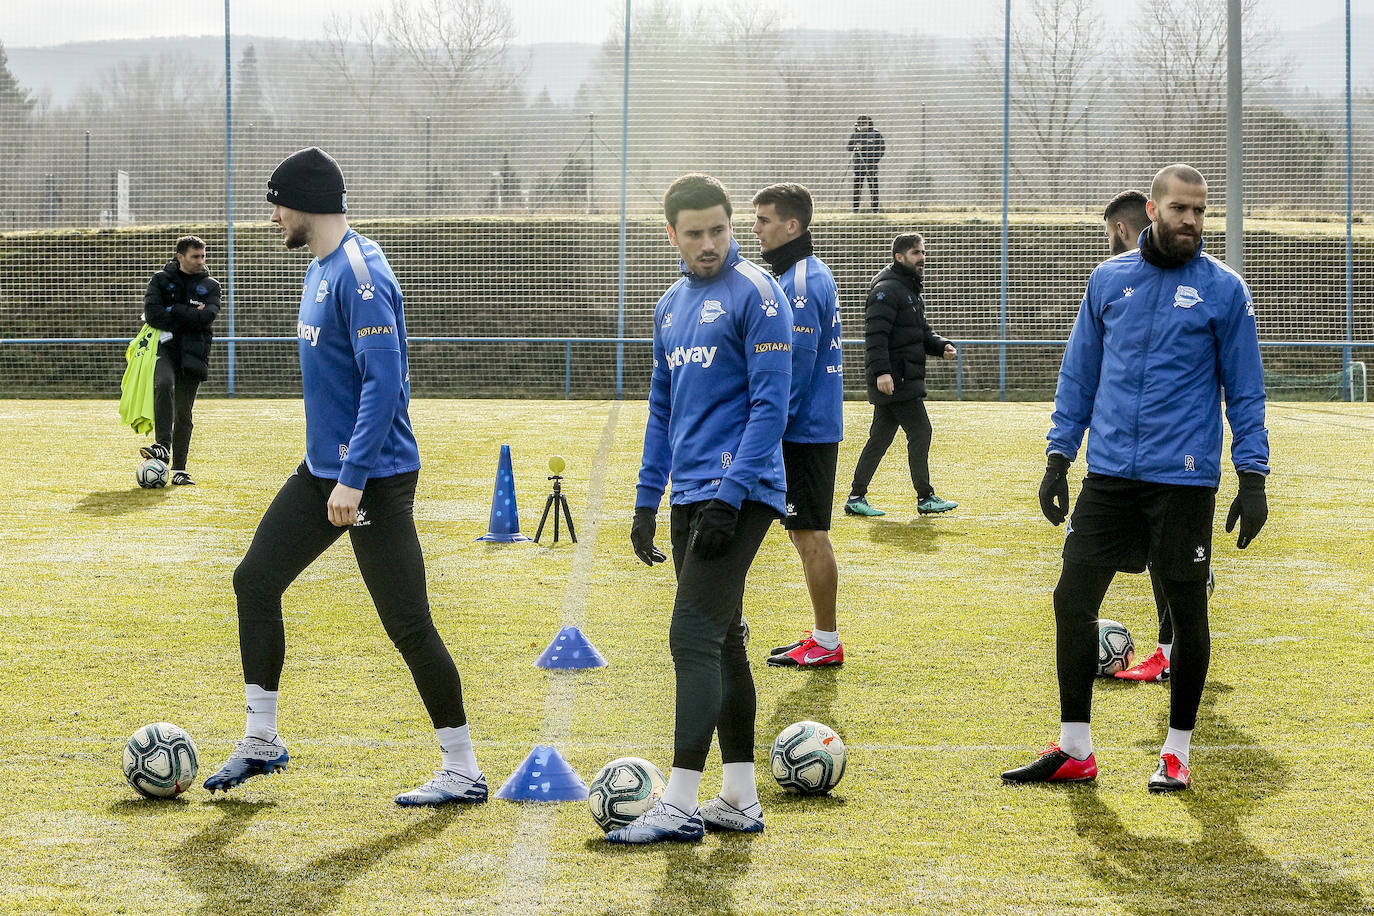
(1115, 648)
(160, 760)
(808, 757)
(151, 474)
(623, 790)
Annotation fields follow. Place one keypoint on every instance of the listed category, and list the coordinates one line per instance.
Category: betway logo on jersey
(684, 355)
(308, 332)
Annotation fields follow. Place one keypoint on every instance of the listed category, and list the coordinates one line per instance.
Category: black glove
(1250, 506)
(712, 529)
(642, 533)
(1054, 490)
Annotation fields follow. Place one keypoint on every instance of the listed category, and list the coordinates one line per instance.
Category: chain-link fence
(492, 172)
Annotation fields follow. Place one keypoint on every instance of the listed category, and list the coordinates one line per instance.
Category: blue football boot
(445, 789)
(251, 757)
(659, 823)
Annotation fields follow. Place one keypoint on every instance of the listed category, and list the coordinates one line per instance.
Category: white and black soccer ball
(808, 757)
(160, 760)
(152, 474)
(1115, 648)
(623, 790)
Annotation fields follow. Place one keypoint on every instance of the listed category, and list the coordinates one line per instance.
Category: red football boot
(1171, 775)
(1154, 668)
(1053, 765)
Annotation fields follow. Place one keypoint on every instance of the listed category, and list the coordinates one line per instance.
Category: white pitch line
(528, 855)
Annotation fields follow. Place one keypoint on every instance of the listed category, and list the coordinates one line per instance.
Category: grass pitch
(118, 610)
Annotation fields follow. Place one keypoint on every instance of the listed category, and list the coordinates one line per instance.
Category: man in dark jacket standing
(865, 147)
(897, 339)
(182, 301)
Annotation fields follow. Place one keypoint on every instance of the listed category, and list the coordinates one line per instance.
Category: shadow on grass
(920, 535)
(814, 698)
(120, 502)
(1222, 870)
(693, 883)
(231, 882)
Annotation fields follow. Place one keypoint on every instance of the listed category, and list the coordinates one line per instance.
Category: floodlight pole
(229, 190)
(1235, 146)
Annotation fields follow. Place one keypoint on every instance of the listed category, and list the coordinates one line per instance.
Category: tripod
(558, 503)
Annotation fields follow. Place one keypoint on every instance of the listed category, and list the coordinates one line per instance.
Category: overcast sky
(24, 23)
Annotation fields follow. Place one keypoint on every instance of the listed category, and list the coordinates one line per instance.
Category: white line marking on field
(526, 860)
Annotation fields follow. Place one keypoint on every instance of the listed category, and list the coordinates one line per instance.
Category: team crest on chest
(322, 291)
(711, 309)
(1185, 297)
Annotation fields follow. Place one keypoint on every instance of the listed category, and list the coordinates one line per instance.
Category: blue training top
(816, 413)
(1150, 354)
(718, 398)
(352, 343)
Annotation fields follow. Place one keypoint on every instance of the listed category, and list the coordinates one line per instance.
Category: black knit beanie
(310, 181)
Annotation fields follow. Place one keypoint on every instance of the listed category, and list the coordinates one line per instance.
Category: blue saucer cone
(544, 777)
(570, 649)
(504, 524)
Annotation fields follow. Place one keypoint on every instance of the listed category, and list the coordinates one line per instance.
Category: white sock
(1076, 739)
(1168, 649)
(827, 639)
(683, 788)
(737, 784)
(1178, 743)
(456, 745)
(261, 707)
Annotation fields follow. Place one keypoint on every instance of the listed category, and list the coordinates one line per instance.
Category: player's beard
(293, 238)
(1173, 244)
(1118, 244)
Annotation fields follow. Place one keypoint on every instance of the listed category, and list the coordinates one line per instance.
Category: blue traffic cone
(544, 777)
(504, 525)
(570, 649)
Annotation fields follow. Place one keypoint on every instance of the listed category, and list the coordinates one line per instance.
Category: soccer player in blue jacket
(1162, 332)
(815, 417)
(718, 401)
(359, 475)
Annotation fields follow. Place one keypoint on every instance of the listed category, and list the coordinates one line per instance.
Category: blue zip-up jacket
(1150, 354)
(719, 393)
(352, 341)
(816, 413)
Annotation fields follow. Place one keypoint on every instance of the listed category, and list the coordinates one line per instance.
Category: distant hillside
(1318, 54)
(62, 70)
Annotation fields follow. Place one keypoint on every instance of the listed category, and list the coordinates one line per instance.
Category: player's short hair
(1129, 208)
(905, 242)
(792, 201)
(1184, 173)
(695, 191)
(187, 242)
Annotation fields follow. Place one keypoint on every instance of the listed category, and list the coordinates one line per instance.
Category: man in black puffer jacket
(897, 339)
(182, 302)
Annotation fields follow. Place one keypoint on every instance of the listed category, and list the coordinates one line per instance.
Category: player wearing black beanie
(309, 181)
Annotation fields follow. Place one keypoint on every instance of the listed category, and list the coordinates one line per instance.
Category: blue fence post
(1349, 384)
(229, 191)
(1006, 179)
(567, 369)
(959, 372)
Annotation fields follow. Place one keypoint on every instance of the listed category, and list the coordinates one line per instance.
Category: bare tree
(450, 41)
(354, 51)
(1056, 73)
(1178, 51)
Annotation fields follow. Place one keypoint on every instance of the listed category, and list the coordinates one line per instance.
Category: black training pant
(1077, 600)
(174, 394)
(862, 175)
(715, 688)
(911, 416)
(1166, 624)
(295, 530)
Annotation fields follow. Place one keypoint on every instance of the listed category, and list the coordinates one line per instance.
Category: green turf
(118, 610)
